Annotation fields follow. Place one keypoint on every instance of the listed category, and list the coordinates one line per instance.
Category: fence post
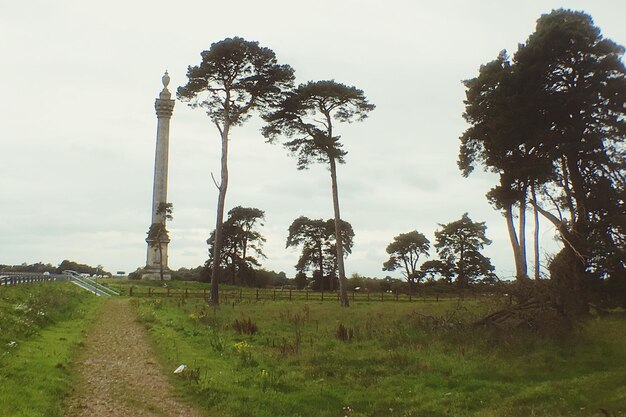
(257, 294)
(396, 295)
(322, 295)
(274, 296)
(149, 292)
(289, 294)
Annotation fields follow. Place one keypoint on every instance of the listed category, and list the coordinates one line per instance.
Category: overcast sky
(78, 127)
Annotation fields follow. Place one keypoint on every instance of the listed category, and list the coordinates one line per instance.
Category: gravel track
(118, 374)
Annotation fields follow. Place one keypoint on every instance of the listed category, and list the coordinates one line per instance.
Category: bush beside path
(117, 373)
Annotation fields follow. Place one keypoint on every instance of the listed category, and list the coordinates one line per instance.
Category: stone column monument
(164, 106)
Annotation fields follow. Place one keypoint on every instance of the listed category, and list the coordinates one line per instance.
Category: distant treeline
(263, 278)
(40, 268)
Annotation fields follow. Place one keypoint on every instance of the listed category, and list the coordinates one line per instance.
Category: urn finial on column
(165, 93)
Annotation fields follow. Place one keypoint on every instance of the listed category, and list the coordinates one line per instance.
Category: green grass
(41, 326)
(401, 361)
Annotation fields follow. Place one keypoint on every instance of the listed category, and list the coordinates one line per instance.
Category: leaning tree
(306, 115)
(234, 78)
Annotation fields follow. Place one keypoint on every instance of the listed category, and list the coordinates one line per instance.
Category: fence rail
(6, 280)
(284, 295)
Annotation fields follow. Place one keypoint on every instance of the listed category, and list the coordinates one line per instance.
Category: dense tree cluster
(458, 245)
(319, 248)
(38, 267)
(551, 122)
(242, 244)
(80, 268)
(404, 253)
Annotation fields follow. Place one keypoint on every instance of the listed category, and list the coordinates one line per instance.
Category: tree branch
(215, 182)
(561, 227)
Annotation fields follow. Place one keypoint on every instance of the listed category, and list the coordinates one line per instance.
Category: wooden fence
(227, 296)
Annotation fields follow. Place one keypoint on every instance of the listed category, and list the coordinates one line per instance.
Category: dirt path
(118, 373)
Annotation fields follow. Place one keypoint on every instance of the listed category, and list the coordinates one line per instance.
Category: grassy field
(41, 326)
(281, 358)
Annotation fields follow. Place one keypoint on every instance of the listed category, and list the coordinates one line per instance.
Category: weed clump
(344, 333)
(245, 326)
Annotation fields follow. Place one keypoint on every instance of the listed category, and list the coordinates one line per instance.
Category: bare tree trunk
(321, 269)
(520, 267)
(568, 191)
(522, 233)
(536, 242)
(343, 283)
(219, 222)
(461, 264)
(409, 275)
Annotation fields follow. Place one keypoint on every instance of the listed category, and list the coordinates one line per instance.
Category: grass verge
(41, 326)
(375, 359)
